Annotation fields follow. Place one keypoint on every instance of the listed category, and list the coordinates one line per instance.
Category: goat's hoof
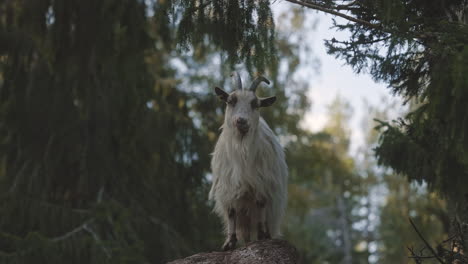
(230, 243)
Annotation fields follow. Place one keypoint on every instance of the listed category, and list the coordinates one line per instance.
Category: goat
(249, 169)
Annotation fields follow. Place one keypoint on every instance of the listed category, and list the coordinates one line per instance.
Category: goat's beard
(240, 135)
(242, 143)
(244, 136)
(242, 132)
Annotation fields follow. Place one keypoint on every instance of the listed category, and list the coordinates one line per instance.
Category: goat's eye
(254, 103)
(232, 101)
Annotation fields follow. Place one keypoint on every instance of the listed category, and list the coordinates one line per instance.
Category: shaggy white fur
(249, 172)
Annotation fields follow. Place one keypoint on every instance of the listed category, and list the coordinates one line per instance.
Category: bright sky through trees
(334, 78)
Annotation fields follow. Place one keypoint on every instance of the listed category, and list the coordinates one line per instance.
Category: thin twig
(72, 232)
(425, 242)
(448, 239)
(416, 259)
(97, 239)
(421, 257)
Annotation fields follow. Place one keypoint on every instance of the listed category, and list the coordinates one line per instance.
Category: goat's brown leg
(262, 227)
(243, 224)
(231, 239)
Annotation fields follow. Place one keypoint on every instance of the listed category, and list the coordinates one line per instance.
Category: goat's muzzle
(242, 126)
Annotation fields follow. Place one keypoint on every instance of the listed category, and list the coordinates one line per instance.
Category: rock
(273, 251)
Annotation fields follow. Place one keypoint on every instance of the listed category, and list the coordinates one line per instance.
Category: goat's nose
(241, 121)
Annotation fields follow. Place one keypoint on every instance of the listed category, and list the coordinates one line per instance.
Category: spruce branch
(376, 26)
(336, 13)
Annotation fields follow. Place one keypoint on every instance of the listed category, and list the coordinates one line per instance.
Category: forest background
(108, 119)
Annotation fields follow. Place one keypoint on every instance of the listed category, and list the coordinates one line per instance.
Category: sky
(335, 78)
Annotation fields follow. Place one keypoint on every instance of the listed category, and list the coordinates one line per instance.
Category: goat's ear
(264, 102)
(221, 94)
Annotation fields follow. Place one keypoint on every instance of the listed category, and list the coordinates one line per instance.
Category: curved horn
(237, 80)
(257, 81)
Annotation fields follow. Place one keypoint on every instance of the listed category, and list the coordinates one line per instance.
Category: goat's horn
(257, 81)
(237, 80)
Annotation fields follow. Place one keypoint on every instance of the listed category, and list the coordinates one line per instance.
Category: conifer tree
(420, 49)
(101, 161)
(105, 143)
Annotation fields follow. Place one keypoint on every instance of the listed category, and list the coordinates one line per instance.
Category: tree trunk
(260, 252)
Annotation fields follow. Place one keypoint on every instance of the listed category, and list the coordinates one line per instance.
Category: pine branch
(360, 42)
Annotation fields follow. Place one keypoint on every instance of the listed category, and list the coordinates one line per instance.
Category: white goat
(249, 170)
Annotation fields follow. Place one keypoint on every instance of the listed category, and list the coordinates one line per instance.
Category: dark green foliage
(73, 96)
(242, 28)
(420, 49)
(101, 158)
(108, 117)
(105, 145)
(433, 137)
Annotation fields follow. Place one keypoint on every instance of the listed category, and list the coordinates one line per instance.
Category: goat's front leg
(231, 239)
(262, 226)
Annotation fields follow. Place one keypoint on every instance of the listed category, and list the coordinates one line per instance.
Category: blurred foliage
(347, 209)
(420, 49)
(325, 193)
(106, 138)
(102, 160)
(395, 200)
(108, 119)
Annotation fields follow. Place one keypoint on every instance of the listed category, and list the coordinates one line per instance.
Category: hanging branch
(377, 26)
(336, 13)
